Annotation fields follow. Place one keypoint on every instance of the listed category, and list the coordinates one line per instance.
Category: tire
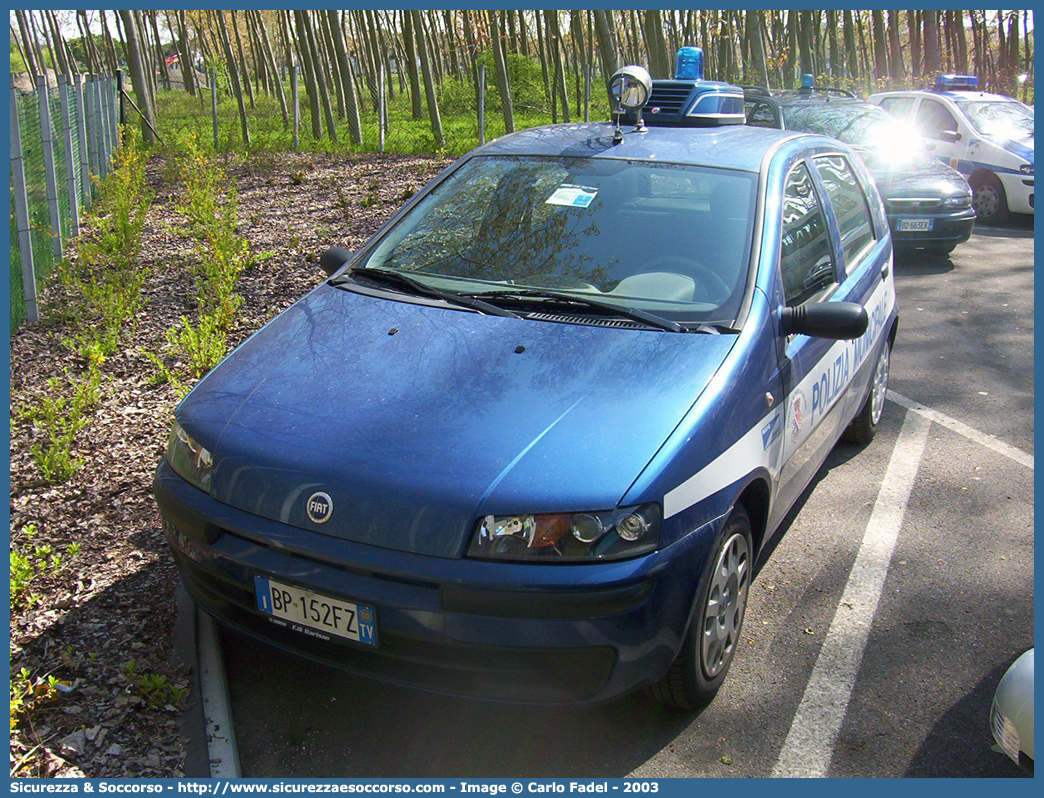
(717, 618)
(864, 426)
(989, 200)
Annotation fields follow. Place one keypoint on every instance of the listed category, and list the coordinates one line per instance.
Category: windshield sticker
(573, 196)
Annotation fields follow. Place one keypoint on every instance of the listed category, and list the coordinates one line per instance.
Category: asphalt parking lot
(876, 633)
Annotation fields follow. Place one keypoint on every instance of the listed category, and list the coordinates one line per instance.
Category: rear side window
(761, 115)
(900, 106)
(933, 119)
(806, 261)
(850, 207)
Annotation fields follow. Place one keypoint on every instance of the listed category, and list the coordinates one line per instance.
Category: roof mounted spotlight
(630, 87)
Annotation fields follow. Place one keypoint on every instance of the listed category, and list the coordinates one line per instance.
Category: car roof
(956, 96)
(729, 146)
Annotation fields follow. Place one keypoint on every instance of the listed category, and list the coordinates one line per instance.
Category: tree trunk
(607, 50)
(895, 51)
(335, 67)
(757, 50)
(233, 75)
(266, 46)
(242, 57)
(408, 38)
(931, 42)
(554, 43)
(347, 79)
(913, 29)
(659, 63)
(138, 82)
(503, 83)
(429, 83)
(311, 82)
(32, 65)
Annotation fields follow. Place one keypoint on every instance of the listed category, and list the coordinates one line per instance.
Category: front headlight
(960, 201)
(557, 537)
(188, 459)
(1026, 168)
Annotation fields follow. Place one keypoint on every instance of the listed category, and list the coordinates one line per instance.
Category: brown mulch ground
(102, 620)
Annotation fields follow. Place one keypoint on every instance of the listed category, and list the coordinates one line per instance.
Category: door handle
(886, 268)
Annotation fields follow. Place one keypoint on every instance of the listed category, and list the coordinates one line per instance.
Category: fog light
(632, 527)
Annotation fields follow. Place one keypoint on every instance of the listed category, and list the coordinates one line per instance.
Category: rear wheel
(988, 199)
(710, 643)
(864, 426)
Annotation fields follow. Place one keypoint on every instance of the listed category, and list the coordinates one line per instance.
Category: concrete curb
(221, 735)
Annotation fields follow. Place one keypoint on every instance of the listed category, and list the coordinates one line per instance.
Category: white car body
(975, 152)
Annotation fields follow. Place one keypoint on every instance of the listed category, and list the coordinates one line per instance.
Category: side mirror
(949, 136)
(837, 320)
(333, 259)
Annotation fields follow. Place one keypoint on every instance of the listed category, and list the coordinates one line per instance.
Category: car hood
(417, 419)
(920, 177)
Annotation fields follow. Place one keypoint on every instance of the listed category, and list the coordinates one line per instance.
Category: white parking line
(810, 741)
(221, 735)
(989, 441)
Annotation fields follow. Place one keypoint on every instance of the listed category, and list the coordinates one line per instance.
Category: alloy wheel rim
(726, 602)
(880, 385)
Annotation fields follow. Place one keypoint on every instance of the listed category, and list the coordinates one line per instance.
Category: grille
(669, 99)
(906, 205)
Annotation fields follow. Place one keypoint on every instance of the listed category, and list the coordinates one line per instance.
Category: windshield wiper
(538, 294)
(401, 281)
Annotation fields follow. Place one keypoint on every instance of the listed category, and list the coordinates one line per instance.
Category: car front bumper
(555, 634)
(948, 229)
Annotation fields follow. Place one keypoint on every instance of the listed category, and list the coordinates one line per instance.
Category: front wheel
(710, 643)
(989, 200)
(864, 426)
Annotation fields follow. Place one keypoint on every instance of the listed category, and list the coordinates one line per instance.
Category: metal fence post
(25, 244)
(119, 97)
(297, 108)
(213, 104)
(482, 103)
(380, 107)
(70, 165)
(88, 118)
(110, 104)
(81, 134)
(99, 121)
(587, 94)
(47, 145)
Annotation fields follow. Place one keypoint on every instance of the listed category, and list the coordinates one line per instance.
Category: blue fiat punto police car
(528, 442)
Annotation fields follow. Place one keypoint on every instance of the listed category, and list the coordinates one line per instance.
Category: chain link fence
(61, 137)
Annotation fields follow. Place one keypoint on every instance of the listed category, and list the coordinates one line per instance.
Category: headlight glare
(561, 537)
(959, 201)
(1026, 168)
(188, 459)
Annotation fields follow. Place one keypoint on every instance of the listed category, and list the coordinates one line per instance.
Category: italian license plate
(306, 611)
(915, 225)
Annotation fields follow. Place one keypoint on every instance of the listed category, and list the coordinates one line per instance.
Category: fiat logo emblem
(319, 507)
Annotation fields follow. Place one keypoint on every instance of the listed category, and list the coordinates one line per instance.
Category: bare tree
(429, 84)
(135, 64)
(503, 82)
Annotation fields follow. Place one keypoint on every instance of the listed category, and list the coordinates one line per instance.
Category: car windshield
(999, 119)
(669, 239)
